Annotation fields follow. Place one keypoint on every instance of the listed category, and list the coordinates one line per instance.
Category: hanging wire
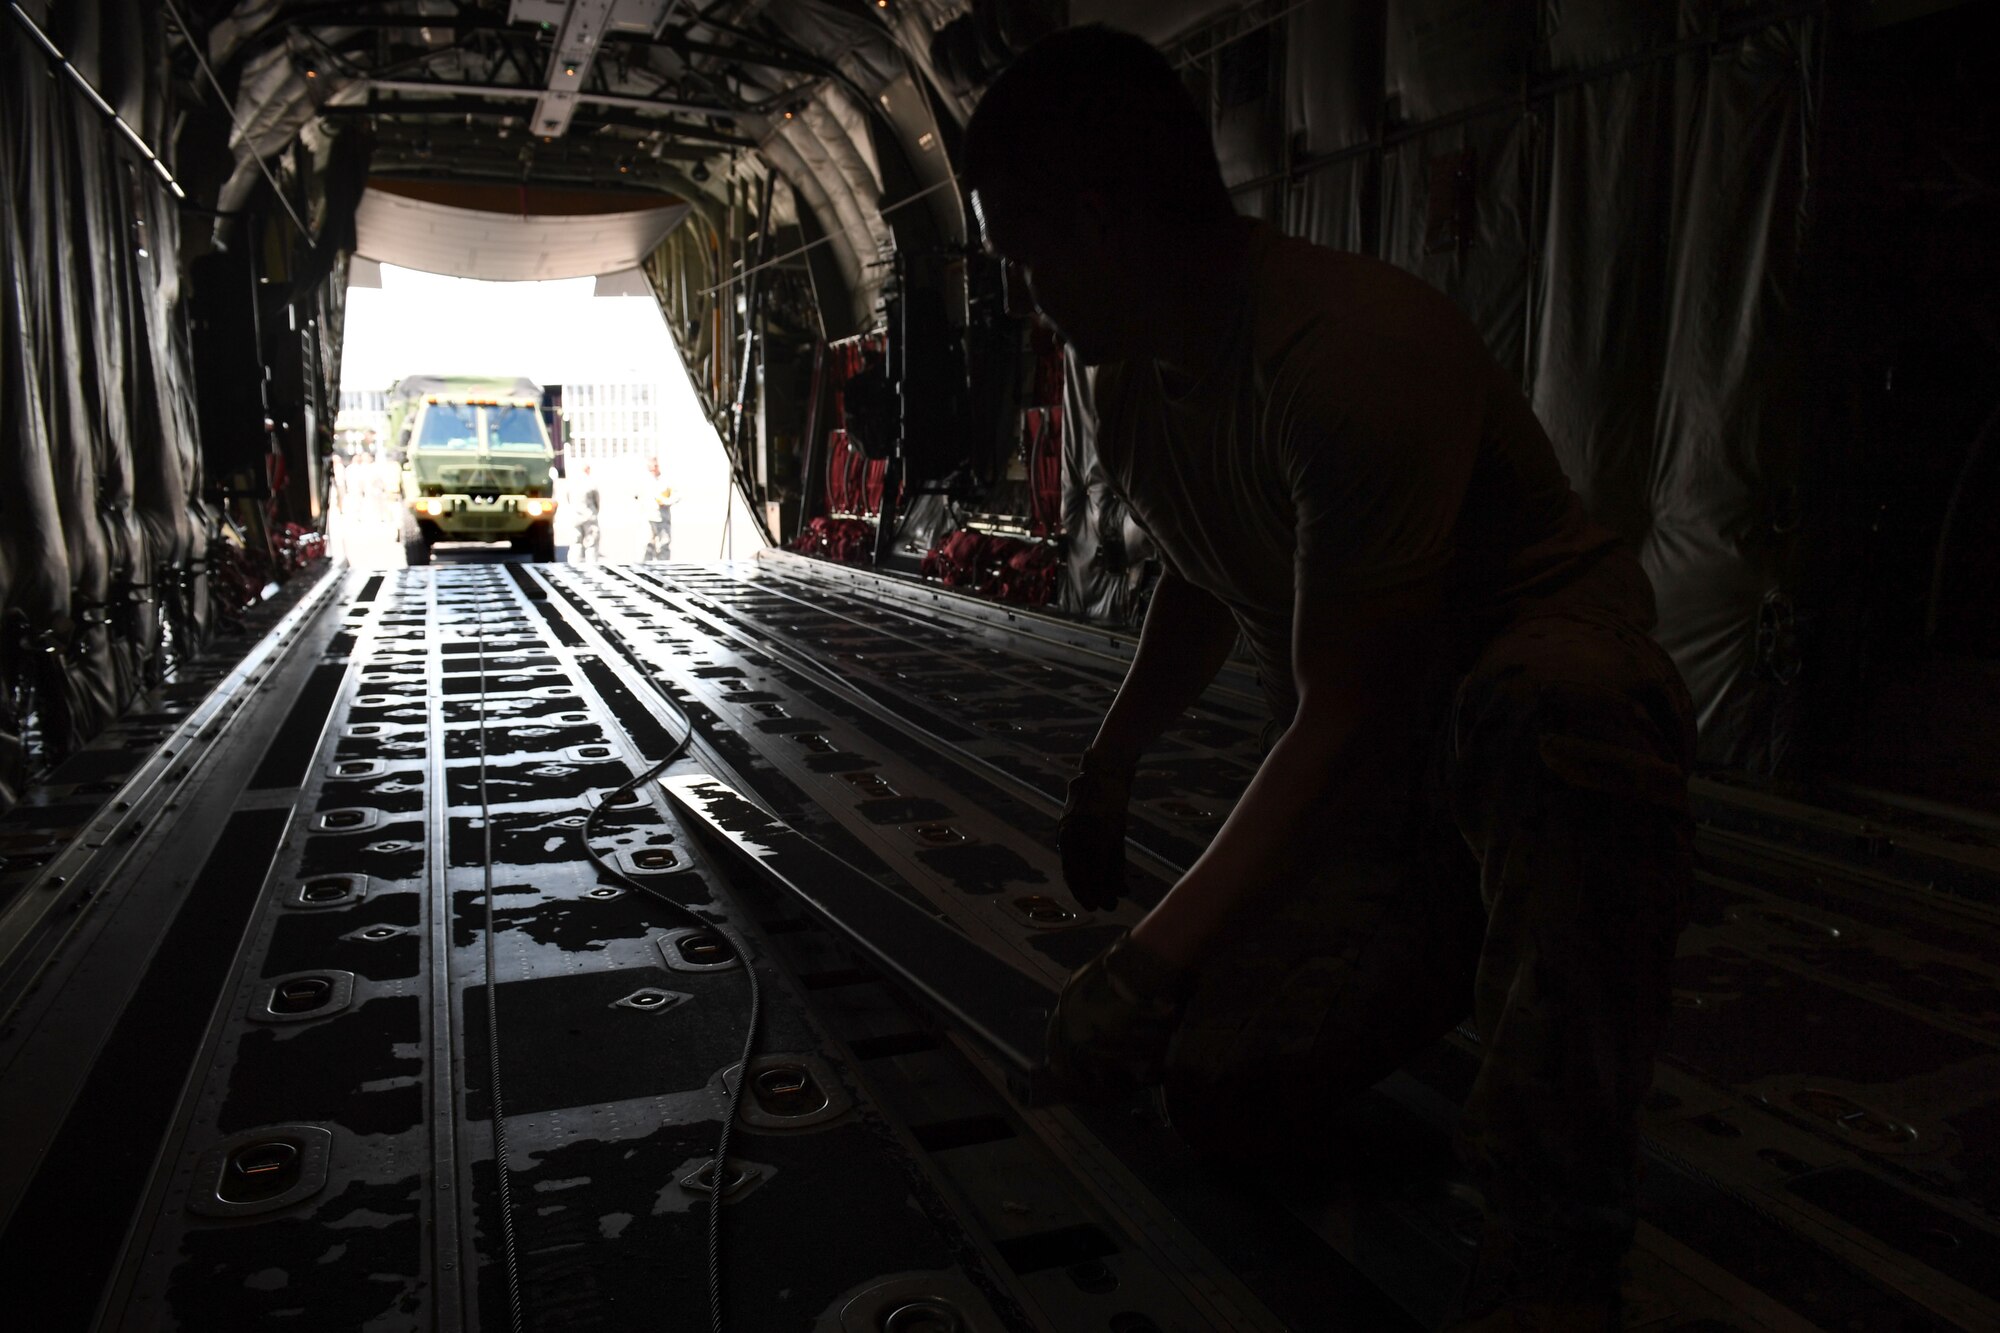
(1243, 32)
(729, 282)
(201, 58)
(97, 99)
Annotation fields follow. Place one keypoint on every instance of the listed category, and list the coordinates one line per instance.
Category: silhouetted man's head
(1084, 159)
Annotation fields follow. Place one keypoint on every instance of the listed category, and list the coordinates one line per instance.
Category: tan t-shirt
(1362, 435)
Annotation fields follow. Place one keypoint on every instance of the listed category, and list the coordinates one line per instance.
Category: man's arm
(1359, 668)
(1186, 638)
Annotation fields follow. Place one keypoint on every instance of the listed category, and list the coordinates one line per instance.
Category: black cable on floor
(500, 1172)
(719, 1169)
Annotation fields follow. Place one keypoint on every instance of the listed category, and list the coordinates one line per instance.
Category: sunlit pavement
(364, 529)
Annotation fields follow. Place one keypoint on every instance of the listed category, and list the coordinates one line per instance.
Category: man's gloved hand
(1091, 834)
(1109, 1033)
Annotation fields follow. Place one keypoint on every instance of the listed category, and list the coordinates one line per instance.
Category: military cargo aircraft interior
(1331, 668)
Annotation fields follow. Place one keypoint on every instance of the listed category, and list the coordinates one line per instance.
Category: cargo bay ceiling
(674, 101)
(1715, 239)
(762, 163)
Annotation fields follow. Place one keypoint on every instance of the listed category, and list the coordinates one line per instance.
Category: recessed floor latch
(938, 835)
(1865, 1125)
(869, 784)
(942, 1302)
(349, 819)
(330, 891)
(304, 995)
(260, 1171)
(789, 1092)
(692, 950)
(645, 862)
(1042, 910)
(928, 1315)
(739, 1175)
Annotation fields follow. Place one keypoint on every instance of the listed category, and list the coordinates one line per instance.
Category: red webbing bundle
(853, 481)
(1042, 431)
(1004, 567)
(871, 487)
(843, 474)
(1028, 576)
(845, 540)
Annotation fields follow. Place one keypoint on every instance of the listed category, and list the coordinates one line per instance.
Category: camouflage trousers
(1531, 872)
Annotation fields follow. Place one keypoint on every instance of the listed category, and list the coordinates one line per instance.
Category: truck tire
(542, 544)
(416, 551)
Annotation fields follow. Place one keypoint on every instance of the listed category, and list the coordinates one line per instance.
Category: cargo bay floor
(245, 1064)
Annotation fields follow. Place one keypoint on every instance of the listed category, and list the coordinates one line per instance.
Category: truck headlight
(433, 507)
(536, 508)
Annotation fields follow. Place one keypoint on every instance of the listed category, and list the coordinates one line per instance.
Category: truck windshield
(450, 426)
(515, 428)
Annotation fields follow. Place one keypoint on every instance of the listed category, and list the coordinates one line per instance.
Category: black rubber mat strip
(1005, 1008)
(1061, 1248)
(896, 1043)
(290, 752)
(647, 732)
(63, 1240)
(369, 589)
(532, 588)
(942, 1135)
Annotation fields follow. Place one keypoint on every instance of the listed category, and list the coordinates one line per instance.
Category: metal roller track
(722, 698)
(330, 1163)
(1794, 1159)
(1824, 1131)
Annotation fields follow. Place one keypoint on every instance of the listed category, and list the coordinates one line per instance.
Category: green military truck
(477, 465)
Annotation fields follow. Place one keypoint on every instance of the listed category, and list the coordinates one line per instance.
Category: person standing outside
(660, 543)
(1476, 799)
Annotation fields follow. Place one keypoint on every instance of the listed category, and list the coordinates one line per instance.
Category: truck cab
(476, 465)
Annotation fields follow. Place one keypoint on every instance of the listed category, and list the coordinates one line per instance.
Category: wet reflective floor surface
(252, 1069)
